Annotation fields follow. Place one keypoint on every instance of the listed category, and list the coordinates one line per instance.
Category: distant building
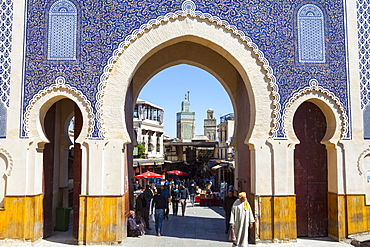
(225, 135)
(148, 126)
(210, 126)
(185, 121)
(196, 152)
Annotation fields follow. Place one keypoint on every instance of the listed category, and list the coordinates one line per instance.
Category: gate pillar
(104, 199)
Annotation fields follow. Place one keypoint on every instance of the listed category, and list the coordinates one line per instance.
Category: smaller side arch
(363, 167)
(328, 103)
(41, 102)
(6, 167)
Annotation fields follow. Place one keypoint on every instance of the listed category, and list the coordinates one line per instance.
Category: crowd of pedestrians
(157, 201)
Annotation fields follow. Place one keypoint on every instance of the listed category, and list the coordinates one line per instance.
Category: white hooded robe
(241, 219)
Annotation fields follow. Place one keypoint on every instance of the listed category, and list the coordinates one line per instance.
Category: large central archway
(221, 53)
(162, 44)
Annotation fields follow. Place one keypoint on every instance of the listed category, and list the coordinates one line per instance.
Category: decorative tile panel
(311, 35)
(6, 25)
(62, 31)
(105, 24)
(363, 32)
(367, 122)
(3, 117)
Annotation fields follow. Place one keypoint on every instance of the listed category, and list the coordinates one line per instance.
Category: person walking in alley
(175, 199)
(159, 203)
(166, 194)
(148, 195)
(184, 195)
(142, 210)
(227, 205)
(241, 219)
(192, 191)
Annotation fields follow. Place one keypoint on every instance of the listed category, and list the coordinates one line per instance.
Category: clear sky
(167, 89)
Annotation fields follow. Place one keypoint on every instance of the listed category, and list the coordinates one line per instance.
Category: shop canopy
(149, 174)
(177, 172)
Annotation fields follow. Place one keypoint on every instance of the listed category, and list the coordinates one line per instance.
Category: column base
(277, 219)
(22, 218)
(102, 220)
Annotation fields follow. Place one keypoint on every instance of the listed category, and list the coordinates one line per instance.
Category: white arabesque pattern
(6, 25)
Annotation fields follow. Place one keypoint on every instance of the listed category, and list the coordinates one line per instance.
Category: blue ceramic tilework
(363, 22)
(367, 122)
(2, 120)
(62, 31)
(6, 23)
(104, 24)
(311, 36)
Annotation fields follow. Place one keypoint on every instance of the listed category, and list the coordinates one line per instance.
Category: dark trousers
(175, 207)
(227, 219)
(166, 211)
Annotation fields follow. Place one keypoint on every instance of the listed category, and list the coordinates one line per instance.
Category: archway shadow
(66, 238)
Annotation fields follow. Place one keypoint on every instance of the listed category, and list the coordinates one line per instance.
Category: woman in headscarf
(134, 229)
(241, 219)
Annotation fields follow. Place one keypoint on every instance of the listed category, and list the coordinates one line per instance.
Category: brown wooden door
(48, 172)
(310, 171)
(77, 172)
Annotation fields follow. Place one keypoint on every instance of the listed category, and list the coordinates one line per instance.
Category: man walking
(184, 195)
(148, 195)
(159, 203)
(227, 205)
(241, 219)
(192, 191)
(166, 194)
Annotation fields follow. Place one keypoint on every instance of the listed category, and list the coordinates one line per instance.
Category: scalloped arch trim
(362, 155)
(314, 87)
(60, 85)
(9, 158)
(188, 11)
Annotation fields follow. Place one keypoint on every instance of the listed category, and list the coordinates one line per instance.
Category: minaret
(210, 126)
(185, 121)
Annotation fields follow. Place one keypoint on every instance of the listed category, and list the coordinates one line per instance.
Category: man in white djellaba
(241, 219)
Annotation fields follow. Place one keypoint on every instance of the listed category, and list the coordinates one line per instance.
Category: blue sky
(168, 88)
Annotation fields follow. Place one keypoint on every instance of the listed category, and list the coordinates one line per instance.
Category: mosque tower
(185, 121)
(210, 126)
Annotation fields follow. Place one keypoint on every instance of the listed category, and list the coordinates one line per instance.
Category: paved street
(201, 227)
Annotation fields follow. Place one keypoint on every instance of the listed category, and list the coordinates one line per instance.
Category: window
(62, 31)
(311, 35)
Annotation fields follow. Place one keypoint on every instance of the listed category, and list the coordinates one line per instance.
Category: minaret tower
(185, 121)
(210, 126)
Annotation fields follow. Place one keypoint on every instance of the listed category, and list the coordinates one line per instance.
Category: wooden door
(77, 172)
(310, 171)
(48, 171)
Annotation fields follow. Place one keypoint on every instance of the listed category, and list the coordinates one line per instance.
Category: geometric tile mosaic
(62, 31)
(103, 25)
(311, 36)
(6, 23)
(363, 34)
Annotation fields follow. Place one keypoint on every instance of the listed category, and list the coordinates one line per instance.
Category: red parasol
(148, 174)
(177, 172)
